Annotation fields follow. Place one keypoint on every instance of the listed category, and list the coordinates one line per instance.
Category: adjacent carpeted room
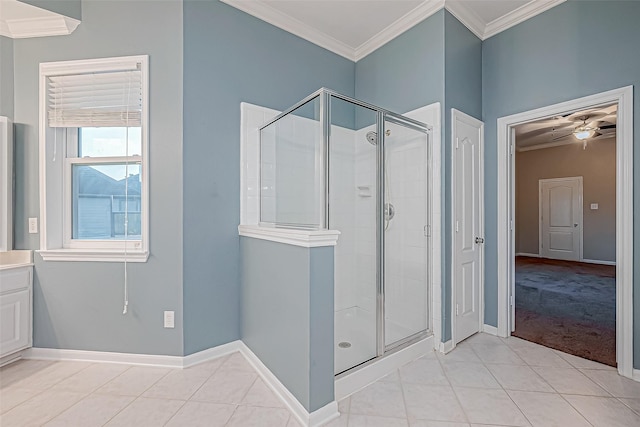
(568, 306)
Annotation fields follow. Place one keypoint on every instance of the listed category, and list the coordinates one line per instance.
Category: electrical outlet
(169, 319)
(33, 225)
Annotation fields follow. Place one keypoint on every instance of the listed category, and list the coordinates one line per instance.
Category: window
(93, 168)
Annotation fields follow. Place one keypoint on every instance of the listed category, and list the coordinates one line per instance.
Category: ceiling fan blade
(607, 127)
(561, 137)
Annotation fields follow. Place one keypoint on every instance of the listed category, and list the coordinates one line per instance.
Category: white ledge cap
(289, 236)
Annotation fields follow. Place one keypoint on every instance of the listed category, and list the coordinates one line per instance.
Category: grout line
(444, 372)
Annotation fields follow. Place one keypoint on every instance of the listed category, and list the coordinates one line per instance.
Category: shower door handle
(479, 240)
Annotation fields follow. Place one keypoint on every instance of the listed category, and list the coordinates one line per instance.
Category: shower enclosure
(333, 162)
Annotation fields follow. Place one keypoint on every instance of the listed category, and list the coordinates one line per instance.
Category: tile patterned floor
(486, 381)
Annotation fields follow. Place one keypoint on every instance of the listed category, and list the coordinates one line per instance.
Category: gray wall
(463, 91)
(230, 57)
(597, 166)
(546, 60)
(6, 77)
(287, 315)
(79, 305)
(71, 8)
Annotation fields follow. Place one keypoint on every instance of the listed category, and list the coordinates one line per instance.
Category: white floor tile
(343, 405)
(541, 356)
(40, 409)
(261, 395)
(178, 384)
(516, 377)
(91, 378)
(490, 407)
(21, 370)
(483, 338)
(427, 423)
(424, 371)
(579, 362)
(293, 422)
(379, 399)
(604, 412)
(145, 412)
(614, 383)
(494, 353)
(250, 416)
(569, 381)
(236, 362)
(11, 397)
(634, 404)
(134, 381)
(93, 410)
(51, 374)
(341, 421)
(547, 409)
(465, 374)
(202, 414)
(371, 421)
(391, 378)
(516, 343)
(225, 387)
(436, 403)
(462, 353)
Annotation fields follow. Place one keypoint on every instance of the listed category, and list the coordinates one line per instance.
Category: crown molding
(281, 20)
(521, 14)
(57, 25)
(406, 22)
(467, 17)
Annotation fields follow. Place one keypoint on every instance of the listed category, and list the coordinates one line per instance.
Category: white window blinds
(108, 99)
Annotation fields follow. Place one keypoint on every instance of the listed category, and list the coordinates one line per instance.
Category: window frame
(56, 243)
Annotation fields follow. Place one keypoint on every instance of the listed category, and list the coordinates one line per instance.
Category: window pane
(101, 197)
(109, 142)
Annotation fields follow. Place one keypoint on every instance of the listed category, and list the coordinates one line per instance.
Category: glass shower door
(352, 210)
(405, 230)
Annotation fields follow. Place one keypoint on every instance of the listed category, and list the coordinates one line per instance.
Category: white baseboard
(491, 330)
(131, 358)
(316, 418)
(528, 254)
(595, 261)
(446, 347)
(348, 384)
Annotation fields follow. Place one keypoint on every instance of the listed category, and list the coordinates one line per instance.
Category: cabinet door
(14, 322)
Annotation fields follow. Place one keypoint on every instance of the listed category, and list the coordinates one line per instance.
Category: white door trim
(581, 213)
(624, 212)
(459, 115)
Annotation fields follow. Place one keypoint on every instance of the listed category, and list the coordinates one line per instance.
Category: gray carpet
(569, 306)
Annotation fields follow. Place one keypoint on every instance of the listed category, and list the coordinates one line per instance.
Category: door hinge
(512, 300)
(511, 224)
(457, 143)
(457, 226)
(427, 231)
(511, 149)
(457, 309)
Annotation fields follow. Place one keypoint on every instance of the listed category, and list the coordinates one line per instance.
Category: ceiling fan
(590, 128)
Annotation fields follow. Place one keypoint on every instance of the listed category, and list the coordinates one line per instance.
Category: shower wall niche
(333, 162)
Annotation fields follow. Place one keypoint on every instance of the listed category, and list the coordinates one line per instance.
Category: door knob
(479, 240)
(575, 224)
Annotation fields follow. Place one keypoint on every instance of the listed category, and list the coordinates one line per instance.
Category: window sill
(92, 255)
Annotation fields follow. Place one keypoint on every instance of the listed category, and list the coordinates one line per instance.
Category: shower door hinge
(457, 143)
(457, 309)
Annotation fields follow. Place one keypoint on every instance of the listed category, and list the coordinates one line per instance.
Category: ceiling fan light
(582, 133)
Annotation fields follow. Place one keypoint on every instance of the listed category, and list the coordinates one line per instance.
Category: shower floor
(357, 327)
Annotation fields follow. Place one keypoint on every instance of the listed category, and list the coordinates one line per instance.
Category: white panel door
(468, 228)
(561, 218)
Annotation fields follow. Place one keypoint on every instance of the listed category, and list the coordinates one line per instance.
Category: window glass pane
(101, 197)
(109, 141)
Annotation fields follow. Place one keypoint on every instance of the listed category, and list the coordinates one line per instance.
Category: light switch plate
(594, 206)
(169, 319)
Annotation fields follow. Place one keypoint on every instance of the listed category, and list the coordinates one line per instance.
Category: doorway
(506, 245)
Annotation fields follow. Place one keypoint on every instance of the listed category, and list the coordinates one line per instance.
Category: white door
(468, 226)
(561, 218)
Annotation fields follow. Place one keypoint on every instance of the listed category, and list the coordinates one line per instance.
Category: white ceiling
(355, 28)
(558, 130)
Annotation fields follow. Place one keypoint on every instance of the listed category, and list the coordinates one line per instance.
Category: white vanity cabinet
(16, 296)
